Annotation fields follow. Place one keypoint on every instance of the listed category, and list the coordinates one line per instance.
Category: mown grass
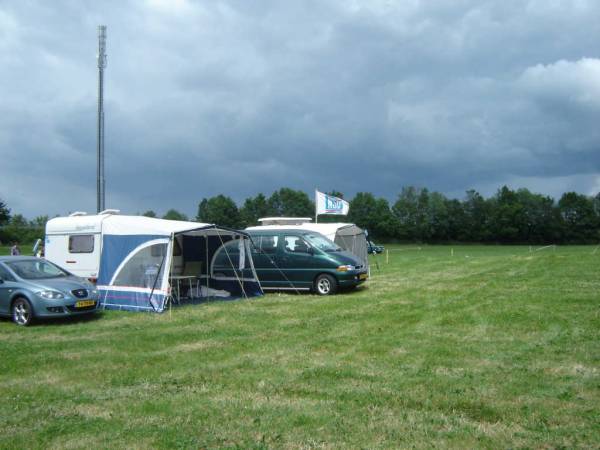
(486, 347)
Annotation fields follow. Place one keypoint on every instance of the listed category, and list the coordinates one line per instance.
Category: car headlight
(345, 268)
(51, 295)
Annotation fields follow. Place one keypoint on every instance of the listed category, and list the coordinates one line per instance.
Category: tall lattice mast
(100, 183)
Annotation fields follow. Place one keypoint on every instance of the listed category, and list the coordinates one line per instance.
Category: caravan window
(81, 243)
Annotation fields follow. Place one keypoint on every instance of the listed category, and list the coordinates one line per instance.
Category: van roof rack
(78, 213)
(284, 220)
(110, 211)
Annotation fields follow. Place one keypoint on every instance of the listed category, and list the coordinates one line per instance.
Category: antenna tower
(100, 141)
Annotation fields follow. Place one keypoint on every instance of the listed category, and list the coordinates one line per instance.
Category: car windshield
(322, 243)
(36, 269)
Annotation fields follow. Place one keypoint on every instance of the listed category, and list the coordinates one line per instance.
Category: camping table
(177, 279)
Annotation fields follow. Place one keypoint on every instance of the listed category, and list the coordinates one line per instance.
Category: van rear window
(81, 243)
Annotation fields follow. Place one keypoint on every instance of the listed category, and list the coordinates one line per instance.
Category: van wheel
(22, 312)
(325, 284)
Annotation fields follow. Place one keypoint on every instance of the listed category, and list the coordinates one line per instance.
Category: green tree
(438, 218)
(39, 222)
(20, 230)
(456, 220)
(4, 213)
(220, 210)
(406, 211)
(173, 214)
(372, 214)
(580, 223)
(508, 216)
(540, 222)
(288, 202)
(253, 209)
(150, 213)
(476, 219)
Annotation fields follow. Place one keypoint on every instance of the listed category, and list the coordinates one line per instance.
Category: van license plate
(85, 303)
(363, 276)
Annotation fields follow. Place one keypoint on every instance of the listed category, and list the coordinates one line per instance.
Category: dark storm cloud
(241, 97)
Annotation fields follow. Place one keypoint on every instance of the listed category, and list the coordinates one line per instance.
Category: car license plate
(85, 303)
(363, 276)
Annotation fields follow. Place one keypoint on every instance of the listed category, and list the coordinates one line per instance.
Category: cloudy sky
(240, 97)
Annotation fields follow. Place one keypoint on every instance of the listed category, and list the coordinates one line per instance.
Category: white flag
(326, 204)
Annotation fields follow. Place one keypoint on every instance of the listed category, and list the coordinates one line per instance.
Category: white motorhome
(347, 235)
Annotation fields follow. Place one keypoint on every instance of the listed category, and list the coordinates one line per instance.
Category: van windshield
(321, 242)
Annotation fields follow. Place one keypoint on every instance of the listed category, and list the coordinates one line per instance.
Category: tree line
(418, 215)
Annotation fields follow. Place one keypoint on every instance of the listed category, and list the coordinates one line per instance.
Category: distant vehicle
(32, 288)
(374, 248)
(302, 260)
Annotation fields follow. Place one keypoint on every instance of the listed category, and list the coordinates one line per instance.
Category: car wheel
(325, 285)
(22, 312)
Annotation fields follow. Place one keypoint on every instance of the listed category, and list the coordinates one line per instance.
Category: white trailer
(75, 242)
(139, 262)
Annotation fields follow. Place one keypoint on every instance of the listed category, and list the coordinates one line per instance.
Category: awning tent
(142, 257)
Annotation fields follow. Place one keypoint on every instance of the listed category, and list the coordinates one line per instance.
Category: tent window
(158, 251)
(226, 262)
(81, 243)
(142, 269)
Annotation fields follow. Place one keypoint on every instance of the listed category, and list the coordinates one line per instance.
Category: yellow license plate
(84, 303)
(363, 276)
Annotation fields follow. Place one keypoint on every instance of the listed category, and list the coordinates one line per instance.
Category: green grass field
(491, 347)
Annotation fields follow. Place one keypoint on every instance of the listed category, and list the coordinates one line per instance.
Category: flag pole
(316, 205)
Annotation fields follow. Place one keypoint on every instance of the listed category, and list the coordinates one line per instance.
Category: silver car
(33, 288)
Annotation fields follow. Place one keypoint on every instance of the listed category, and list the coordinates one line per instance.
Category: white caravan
(136, 260)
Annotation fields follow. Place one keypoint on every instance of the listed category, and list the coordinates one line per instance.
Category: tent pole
(207, 268)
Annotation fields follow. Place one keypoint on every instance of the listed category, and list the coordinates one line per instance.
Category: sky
(239, 97)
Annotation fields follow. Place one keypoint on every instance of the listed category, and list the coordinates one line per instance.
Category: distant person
(15, 250)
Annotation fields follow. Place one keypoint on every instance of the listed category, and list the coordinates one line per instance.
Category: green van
(293, 259)
(303, 260)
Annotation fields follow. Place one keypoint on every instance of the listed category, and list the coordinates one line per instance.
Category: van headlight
(345, 268)
(51, 295)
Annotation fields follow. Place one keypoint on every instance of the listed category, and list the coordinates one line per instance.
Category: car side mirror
(1, 281)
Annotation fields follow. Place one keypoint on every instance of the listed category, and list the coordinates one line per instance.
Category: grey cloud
(240, 97)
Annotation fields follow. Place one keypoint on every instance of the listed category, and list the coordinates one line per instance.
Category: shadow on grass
(62, 321)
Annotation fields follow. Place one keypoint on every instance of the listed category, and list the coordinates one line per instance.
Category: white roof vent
(110, 211)
(78, 213)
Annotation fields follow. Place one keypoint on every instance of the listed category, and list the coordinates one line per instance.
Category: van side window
(81, 243)
(268, 244)
(295, 244)
(5, 275)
